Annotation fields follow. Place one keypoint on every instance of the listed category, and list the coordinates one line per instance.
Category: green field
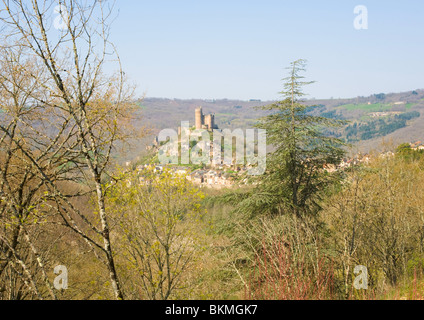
(376, 107)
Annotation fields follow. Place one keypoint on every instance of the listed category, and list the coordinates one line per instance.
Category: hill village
(228, 176)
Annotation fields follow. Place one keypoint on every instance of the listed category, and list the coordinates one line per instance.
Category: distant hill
(167, 113)
(395, 117)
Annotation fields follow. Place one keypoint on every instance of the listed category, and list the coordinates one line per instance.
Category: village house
(417, 146)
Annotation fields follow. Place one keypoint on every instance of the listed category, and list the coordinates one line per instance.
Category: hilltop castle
(204, 121)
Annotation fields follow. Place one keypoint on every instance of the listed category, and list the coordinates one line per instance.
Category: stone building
(204, 121)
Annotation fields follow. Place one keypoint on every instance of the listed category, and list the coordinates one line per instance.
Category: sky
(239, 49)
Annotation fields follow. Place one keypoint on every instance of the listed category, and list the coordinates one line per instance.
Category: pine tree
(295, 180)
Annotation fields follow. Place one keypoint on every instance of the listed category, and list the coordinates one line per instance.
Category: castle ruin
(204, 121)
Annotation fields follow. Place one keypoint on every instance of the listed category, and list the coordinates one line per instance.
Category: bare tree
(21, 188)
(158, 218)
(91, 111)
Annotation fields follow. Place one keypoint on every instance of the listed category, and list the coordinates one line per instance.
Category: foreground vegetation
(374, 218)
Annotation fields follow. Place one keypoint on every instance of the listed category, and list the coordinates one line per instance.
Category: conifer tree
(295, 180)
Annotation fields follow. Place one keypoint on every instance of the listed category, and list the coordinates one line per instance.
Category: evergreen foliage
(295, 180)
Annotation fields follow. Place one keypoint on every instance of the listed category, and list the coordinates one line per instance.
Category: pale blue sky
(238, 49)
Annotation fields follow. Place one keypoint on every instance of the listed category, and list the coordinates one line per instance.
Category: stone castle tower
(199, 118)
(204, 122)
(210, 121)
